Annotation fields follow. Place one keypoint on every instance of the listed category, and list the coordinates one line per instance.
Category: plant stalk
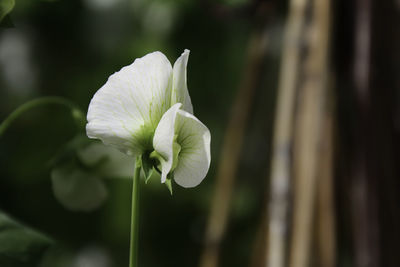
(47, 100)
(133, 254)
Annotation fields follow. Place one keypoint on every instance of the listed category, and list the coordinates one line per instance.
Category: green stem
(76, 112)
(133, 257)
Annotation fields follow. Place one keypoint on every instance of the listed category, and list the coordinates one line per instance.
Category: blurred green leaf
(6, 22)
(78, 170)
(107, 161)
(5, 7)
(77, 190)
(68, 151)
(19, 245)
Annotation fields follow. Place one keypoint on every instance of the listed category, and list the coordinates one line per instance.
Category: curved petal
(194, 157)
(163, 141)
(180, 93)
(125, 112)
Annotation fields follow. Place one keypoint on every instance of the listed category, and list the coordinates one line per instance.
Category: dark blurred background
(318, 80)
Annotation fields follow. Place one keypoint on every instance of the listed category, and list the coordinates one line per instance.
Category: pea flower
(144, 110)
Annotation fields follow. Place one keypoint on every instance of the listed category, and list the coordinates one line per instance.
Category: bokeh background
(310, 180)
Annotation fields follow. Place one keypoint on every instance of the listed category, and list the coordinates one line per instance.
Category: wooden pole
(280, 176)
(231, 150)
(308, 132)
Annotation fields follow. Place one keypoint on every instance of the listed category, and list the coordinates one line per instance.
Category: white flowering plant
(145, 111)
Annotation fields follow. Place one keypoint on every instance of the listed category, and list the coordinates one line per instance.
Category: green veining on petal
(176, 149)
(143, 137)
(185, 140)
(157, 110)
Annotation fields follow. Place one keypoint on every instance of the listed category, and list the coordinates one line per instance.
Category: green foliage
(19, 245)
(6, 22)
(79, 170)
(5, 7)
(77, 190)
(105, 161)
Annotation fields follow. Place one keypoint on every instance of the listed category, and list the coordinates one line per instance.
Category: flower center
(159, 161)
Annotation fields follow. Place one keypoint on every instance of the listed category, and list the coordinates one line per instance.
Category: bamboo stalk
(282, 138)
(257, 257)
(312, 95)
(231, 148)
(326, 242)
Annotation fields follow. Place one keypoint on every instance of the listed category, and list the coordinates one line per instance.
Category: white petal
(126, 110)
(164, 138)
(194, 157)
(180, 93)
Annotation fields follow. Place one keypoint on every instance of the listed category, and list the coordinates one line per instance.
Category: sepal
(168, 183)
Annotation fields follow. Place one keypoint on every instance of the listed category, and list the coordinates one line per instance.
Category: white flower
(145, 110)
